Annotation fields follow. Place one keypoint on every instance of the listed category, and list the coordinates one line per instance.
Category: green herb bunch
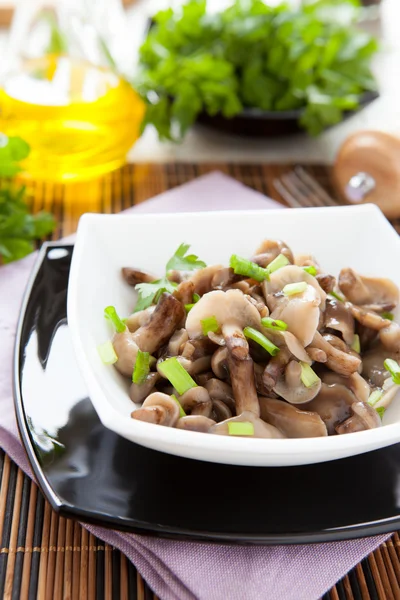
(252, 55)
(18, 228)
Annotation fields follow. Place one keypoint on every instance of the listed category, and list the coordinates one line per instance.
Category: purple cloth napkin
(190, 570)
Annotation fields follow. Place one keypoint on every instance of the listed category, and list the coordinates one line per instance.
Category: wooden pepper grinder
(367, 169)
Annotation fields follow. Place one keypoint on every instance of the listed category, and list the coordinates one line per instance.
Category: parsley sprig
(149, 293)
(18, 228)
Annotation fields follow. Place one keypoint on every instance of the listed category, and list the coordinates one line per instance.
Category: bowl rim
(211, 444)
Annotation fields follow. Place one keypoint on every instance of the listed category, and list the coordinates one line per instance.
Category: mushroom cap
(373, 368)
(390, 337)
(364, 417)
(168, 313)
(138, 319)
(230, 308)
(219, 363)
(293, 422)
(126, 349)
(339, 317)
(354, 382)
(176, 341)
(261, 429)
(219, 390)
(169, 413)
(290, 387)
(221, 411)
(268, 250)
(202, 278)
(288, 339)
(333, 404)
(196, 395)
(292, 274)
(139, 392)
(368, 290)
(198, 423)
(300, 312)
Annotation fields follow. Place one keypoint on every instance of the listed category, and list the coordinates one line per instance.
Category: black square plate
(92, 474)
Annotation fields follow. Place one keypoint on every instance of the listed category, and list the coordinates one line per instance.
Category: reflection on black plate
(90, 473)
(254, 122)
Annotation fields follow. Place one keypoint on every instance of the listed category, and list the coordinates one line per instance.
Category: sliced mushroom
(224, 278)
(261, 429)
(139, 392)
(286, 340)
(333, 404)
(221, 411)
(195, 423)
(176, 342)
(290, 387)
(339, 317)
(219, 390)
(219, 363)
(341, 362)
(260, 305)
(202, 378)
(140, 318)
(354, 382)
(293, 422)
(126, 349)
(158, 408)
(368, 318)
(217, 338)
(268, 250)
(291, 274)
(327, 282)
(202, 279)
(194, 349)
(203, 409)
(373, 368)
(306, 260)
(184, 292)
(168, 314)
(133, 276)
(275, 368)
(193, 397)
(300, 312)
(232, 312)
(194, 367)
(364, 417)
(362, 290)
(243, 384)
(390, 337)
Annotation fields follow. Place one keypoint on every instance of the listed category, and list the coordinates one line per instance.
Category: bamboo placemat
(47, 557)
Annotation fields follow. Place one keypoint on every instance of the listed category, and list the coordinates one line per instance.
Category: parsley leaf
(311, 57)
(149, 293)
(180, 262)
(18, 228)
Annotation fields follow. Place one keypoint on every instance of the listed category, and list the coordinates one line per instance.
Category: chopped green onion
(337, 296)
(142, 367)
(240, 428)
(181, 411)
(356, 346)
(242, 266)
(263, 341)
(308, 376)
(209, 324)
(311, 270)
(381, 411)
(107, 353)
(188, 307)
(172, 369)
(394, 369)
(111, 313)
(196, 298)
(375, 397)
(294, 288)
(273, 324)
(387, 315)
(278, 262)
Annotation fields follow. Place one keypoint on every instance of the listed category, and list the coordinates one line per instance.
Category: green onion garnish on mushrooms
(381, 411)
(142, 367)
(387, 315)
(107, 353)
(209, 324)
(308, 376)
(311, 270)
(337, 296)
(188, 307)
(181, 411)
(111, 314)
(394, 369)
(278, 262)
(275, 324)
(240, 428)
(374, 397)
(242, 266)
(294, 288)
(177, 375)
(196, 298)
(356, 346)
(259, 338)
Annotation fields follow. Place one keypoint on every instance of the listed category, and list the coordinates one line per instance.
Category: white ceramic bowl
(359, 237)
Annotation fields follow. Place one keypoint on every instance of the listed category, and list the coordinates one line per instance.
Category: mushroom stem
(235, 341)
(168, 314)
(243, 384)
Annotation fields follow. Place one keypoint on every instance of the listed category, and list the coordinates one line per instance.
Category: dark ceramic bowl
(253, 122)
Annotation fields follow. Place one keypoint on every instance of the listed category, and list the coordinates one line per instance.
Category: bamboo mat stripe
(44, 556)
